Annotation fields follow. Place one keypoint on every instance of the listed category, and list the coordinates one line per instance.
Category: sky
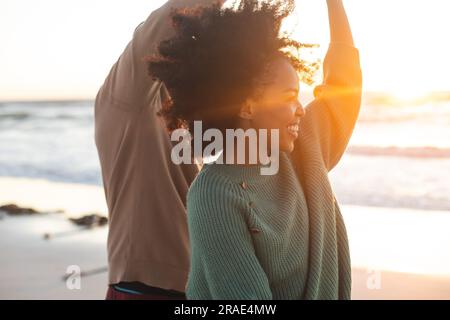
(63, 49)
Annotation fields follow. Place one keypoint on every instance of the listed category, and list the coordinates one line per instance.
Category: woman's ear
(246, 111)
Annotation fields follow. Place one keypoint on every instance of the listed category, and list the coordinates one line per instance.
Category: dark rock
(91, 220)
(13, 209)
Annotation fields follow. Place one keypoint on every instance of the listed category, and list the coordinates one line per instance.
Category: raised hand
(340, 31)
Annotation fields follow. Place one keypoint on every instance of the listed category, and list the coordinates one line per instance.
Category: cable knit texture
(281, 236)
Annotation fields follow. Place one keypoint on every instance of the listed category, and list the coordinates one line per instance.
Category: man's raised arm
(128, 84)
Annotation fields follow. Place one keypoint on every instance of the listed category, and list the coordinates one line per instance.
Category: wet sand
(396, 253)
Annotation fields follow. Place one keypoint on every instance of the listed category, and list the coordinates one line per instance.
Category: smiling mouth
(294, 130)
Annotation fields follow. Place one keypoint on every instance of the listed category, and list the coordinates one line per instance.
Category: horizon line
(384, 93)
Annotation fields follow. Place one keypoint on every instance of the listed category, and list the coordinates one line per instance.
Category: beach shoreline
(47, 196)
(384, 265)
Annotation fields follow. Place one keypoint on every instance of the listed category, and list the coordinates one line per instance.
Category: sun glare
(410, 94)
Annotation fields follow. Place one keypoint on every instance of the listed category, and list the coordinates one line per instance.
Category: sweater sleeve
(331, 117)
(223, 264)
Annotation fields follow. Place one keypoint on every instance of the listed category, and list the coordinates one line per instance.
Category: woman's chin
(287, 147)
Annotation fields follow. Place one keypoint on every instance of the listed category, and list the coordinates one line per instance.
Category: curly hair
(217, 58)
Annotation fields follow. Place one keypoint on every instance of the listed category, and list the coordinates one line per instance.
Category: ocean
(398, 157)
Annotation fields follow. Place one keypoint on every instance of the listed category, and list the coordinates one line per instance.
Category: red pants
(113, 294)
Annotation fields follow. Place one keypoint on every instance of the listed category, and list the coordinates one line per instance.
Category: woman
(254, 236)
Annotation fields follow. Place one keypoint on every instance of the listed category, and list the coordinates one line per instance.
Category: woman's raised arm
(331, 117)
(340, 31)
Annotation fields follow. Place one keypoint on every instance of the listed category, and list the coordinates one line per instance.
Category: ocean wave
(15, 116)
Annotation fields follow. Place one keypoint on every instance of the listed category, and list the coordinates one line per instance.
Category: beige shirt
(145, 191)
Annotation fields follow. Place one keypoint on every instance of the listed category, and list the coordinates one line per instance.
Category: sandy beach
(396, 253)
(42, 195)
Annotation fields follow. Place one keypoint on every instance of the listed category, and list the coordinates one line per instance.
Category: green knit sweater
(250, 233)
(280, 236)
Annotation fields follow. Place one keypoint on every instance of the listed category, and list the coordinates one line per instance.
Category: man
(148, 243)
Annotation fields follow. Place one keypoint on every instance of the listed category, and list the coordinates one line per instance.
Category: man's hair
(217, 58)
